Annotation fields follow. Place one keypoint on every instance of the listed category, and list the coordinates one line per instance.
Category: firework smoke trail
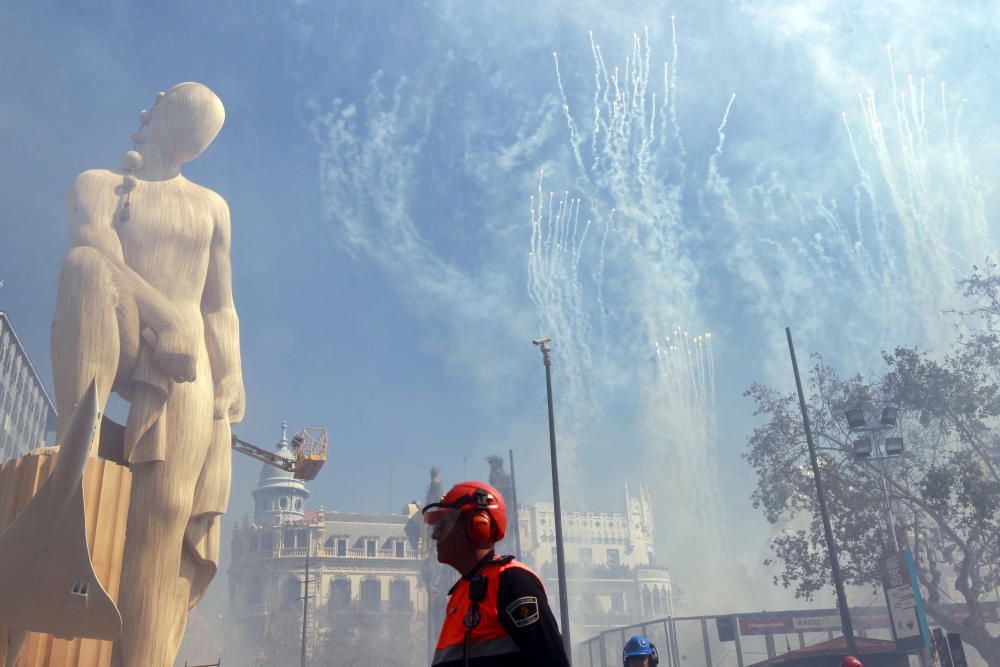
(630, 164)
(687, 369)
(942, 227)
(883, 268)
(557, 241)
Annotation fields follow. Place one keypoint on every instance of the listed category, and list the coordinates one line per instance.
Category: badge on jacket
(523, 611)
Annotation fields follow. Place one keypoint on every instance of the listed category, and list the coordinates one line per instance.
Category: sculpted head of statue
(184, 122)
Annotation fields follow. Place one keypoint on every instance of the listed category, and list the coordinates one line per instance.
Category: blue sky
(380, 160)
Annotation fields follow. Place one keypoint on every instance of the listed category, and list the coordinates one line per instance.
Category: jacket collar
(483, 562)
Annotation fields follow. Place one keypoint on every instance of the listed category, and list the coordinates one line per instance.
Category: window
(614, 557)
(296, 539)
(298, 504)
(342, 547)
(370, 548)
(283, 503)
(371, 594)
(586, 556)
(399, 596)
(400, 549)
(340, 594)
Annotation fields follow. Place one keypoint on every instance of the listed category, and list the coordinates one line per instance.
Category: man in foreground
(497, 613)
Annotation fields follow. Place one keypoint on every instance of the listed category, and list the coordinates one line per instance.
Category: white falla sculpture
(145, 307)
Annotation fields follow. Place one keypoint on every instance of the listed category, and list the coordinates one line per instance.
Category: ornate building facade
(26, 410)
(613, 578)
(364, 580)
(369, 588)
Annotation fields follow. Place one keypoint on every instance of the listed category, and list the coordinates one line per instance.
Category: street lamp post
(874, 440)
(305, 600)
(543, 345)
(838, 584)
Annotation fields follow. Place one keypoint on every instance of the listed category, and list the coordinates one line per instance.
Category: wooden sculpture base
(106, 487)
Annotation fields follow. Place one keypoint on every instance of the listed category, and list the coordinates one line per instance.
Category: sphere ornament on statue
(145, 309)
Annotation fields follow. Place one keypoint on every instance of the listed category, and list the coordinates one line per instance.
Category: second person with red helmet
(498, 613)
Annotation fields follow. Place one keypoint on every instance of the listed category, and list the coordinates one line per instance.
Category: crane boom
(308, 445)
(261, 454)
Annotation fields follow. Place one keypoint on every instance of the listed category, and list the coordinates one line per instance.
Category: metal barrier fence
(744, 639)
(693, 641)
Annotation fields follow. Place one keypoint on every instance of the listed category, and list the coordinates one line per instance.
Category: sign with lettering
(904, 602)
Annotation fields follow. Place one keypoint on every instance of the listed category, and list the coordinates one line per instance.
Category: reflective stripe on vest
(490, 637)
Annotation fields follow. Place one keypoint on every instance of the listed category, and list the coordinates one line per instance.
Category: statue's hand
(230, 399)
(174, 354)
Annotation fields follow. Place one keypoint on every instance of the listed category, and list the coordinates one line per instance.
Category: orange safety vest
(489, 638)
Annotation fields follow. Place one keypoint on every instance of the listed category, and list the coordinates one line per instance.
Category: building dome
(279, 496)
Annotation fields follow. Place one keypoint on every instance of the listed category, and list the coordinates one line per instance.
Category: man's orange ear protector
(480, 528)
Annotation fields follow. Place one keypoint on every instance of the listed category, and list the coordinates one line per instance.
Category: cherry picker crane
(309, 448)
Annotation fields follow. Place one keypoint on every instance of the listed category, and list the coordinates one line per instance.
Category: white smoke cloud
(679, 211)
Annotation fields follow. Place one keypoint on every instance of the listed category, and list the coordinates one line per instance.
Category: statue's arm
(91, 210)
(88, 227)
(222, 326)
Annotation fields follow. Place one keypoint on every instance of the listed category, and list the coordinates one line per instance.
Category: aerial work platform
(309, 448)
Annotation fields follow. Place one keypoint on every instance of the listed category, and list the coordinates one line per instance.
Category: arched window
(371, 594)
(340, 594)
(298, 504)
(399, 595)
(283, 503)
(647, 601)
(657, 601)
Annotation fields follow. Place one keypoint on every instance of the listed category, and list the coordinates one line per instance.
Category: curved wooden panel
(106, 487)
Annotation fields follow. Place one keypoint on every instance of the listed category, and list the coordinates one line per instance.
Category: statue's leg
(156, 585)
(95, 329)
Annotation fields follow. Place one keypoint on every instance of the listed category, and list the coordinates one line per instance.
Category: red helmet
(851, 661)
(480, 504)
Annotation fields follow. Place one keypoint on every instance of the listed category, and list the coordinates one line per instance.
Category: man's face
(448, 536)
(639, 661)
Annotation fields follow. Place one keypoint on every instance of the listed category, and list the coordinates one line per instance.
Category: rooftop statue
(145, 308)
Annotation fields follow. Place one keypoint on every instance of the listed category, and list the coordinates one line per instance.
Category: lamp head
(893, 446)
(863, 448)
(855, 418)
